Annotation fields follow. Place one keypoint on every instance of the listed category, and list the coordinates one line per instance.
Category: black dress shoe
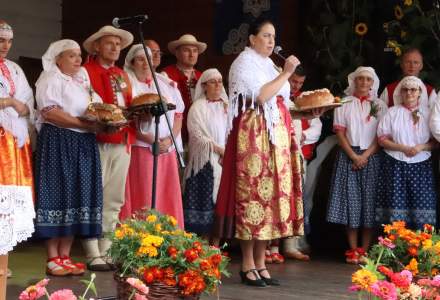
(268, 281)
(258, 282)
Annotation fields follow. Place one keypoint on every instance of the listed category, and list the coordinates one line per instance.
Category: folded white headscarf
(363, 71)
(411, 82)
(206, 76)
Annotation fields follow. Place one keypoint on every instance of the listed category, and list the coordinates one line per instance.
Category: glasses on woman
(410, 90)
(214, 81)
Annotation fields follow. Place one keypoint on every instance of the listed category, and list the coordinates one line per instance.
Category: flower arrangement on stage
(404, 264)
(152, 248)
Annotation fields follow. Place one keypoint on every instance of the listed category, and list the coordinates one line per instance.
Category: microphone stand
(157, 111)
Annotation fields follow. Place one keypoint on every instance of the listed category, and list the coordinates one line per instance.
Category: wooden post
(3, 275)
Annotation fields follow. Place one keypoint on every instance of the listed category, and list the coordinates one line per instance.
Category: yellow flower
(408, 2)
(151, 218)
(119, 234)
(152, 240)
(397, 51)
(158, 227)
(413, 266)
(148, 250)
(361, 29)
(172, 220)
(427, 244)
(398, 13)
(187, 234)
(364, 278)
(165, 232)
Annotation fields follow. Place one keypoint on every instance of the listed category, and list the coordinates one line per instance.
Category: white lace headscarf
(206, 76)
(6, 31)
(363, 71)
(248, 73)
(411, 82)
(49, 58)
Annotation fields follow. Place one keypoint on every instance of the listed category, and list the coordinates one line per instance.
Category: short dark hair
(411, 50)
(255, 26)
(300, 71)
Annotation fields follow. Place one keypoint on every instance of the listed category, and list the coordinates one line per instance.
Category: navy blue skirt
(198, 204)
(353, 193)
(68, 184)
(407, 193)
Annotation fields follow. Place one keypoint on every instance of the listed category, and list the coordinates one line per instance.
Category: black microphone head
(277, 50)
(115, 23)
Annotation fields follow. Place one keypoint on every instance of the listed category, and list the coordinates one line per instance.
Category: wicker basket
(157, 291)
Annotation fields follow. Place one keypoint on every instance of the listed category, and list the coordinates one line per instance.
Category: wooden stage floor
(322, 278)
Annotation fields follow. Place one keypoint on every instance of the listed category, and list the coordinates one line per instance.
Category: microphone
(118, 22)
(277, 51)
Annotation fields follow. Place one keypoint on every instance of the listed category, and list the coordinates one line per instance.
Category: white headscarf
(6, 31)
(135, 50)
(56, 48)
(206, 76)
(363, 71)
(411, 82)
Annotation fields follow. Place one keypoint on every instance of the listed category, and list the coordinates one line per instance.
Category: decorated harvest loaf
(316, 98)
(104, 112)
(144, 99)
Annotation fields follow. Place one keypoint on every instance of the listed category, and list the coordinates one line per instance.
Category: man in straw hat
(187, 50)
(113, 85)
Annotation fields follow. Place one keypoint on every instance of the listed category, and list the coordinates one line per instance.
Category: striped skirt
(353, 193)
(68, 184)
(407, 193)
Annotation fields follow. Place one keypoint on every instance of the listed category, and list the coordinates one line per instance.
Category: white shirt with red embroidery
(355, 120)
(398, 125)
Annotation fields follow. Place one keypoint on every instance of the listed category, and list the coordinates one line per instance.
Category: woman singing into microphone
(259, 197)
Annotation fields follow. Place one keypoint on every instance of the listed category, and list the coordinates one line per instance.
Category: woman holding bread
(67, 169)
(140, 173)
(357, 167)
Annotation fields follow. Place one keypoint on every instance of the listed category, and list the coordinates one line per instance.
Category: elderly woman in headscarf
(406, 187)
(207, 123)
(16, 105)
(357, 166)
(68, 169)
(140, 173)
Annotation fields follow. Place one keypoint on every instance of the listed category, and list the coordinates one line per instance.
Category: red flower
(385, 271)
(191, 255)
(216, 259)
(168, 272)
(148, 276)
(197, 246)
(172, 250)
(158, 273)
(428, 228)
(205, 265)
(412, 251)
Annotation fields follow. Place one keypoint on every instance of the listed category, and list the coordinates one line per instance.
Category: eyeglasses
(410, 90)
(214, 81)
(157, 52)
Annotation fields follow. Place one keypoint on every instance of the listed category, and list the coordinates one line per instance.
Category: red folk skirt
(260, 193)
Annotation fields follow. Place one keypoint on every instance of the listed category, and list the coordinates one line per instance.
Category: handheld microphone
(277, 51)
(118, 22)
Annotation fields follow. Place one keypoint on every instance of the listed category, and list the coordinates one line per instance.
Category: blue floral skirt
(68, 184)
(198, 204)
(353, 193)
(407, 193)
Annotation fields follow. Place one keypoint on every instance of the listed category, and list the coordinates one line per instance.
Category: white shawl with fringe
(248, 73)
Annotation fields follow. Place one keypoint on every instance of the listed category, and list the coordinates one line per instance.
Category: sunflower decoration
(397, 51)
(361, 29)
(408, 2)
(398, 12)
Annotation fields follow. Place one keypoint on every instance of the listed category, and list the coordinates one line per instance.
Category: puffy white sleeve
(339, 120)
(312, 133)
(383, 108)
(384, 129)
(432, 99)
(434, 122)
(49, 91)
(24, 92)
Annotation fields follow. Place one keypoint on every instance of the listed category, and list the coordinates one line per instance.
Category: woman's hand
(19, 107)
(359, 162)
(164, 145)
(290, 64)
(413, 151)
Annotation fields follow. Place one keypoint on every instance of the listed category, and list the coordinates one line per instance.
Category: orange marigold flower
(364, 279)
(413, 266)
(412, 251)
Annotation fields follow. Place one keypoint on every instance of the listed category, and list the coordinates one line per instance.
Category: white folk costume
(140, 174)
(260, 188)
(353, 192)
(207, 121)
(16, 182)
(406, 187)
(67, 169)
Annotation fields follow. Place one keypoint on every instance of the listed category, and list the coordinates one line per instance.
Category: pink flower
(32, 292)
(436, 281)
(354, 288)
(384, 290)
(138, 285)
(139, 297)
(63, 295)
(43, 283)
(386, 242)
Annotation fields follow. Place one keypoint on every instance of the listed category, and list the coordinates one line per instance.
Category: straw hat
(186, 39)
(126, 37)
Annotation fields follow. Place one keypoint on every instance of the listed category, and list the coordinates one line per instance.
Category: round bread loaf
(142, 99)
(104, 112)
(316, 98)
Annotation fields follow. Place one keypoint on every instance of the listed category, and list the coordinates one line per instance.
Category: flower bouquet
(170, 261)
(402, 265)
